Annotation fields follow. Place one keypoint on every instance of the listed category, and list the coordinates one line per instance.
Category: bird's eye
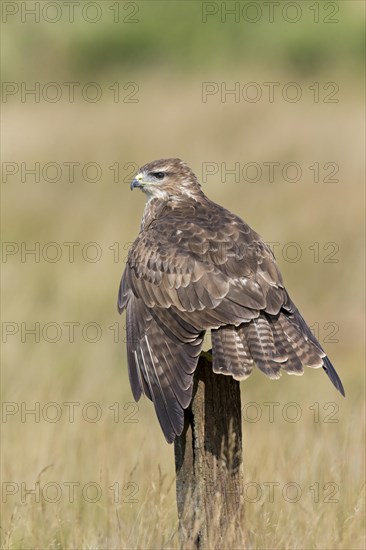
(158, 175)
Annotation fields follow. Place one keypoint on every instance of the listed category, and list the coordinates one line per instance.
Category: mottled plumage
(194, 267)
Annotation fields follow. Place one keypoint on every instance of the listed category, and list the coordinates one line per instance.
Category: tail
(271, 343)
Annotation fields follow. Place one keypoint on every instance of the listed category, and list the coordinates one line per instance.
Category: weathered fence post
(208, 463)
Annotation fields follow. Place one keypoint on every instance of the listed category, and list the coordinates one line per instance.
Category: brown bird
(194, 267)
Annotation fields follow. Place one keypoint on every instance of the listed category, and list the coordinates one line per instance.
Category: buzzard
(194, 267)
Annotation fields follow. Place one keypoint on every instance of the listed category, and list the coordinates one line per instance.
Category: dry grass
(171, 120)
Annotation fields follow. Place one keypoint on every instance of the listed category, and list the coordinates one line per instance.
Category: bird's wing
(177, 283)
(210, 267)
(160, 366)
(197, 268)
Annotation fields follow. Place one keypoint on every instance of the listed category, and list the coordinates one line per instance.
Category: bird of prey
(195, 267)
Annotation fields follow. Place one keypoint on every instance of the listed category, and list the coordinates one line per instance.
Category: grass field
(121, 460)
(88, 468)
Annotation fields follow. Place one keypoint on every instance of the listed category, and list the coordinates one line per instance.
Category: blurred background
(265, 101)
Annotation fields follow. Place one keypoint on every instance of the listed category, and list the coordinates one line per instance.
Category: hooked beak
(136, 182)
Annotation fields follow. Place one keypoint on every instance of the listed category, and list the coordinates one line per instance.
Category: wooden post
(208, 463)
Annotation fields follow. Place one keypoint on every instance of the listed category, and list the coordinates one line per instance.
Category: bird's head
(167, 178)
